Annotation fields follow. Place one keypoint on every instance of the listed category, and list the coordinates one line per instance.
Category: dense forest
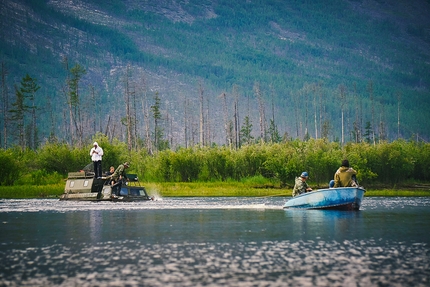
(170, 74)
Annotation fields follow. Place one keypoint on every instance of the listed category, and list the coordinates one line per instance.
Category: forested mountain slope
(294, 68)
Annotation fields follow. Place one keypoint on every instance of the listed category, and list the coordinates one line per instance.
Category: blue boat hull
(341, 198)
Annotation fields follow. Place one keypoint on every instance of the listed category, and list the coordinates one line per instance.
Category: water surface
(214, 242)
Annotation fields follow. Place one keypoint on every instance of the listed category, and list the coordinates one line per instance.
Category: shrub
(9, 168)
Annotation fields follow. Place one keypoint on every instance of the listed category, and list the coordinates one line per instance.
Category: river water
(213, 242)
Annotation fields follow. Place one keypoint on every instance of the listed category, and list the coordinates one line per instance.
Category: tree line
(147, 119)
(393, 163)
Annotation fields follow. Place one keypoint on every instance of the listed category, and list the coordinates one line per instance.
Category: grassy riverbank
(209, 189)
(31, 191)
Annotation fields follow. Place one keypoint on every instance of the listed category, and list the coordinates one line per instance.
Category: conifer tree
(246, 132)
(368, 132)
(274, 133)
(76, 73)
(28, 88)
(159, 143)
(18, 116)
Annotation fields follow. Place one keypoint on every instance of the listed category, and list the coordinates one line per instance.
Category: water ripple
(270, 263)
(38, 205)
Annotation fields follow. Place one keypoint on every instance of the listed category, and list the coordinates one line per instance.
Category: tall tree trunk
(201, 123)
(261, 111)
(236, 117)
(273, 104)
(399, 97)
(320, 94)
(306, 98)
(228, 137)
(370, 89)
(342, 96)
(95, 113)
(134, 117)
(186, 121)
(208, 132)
(127, 109)
(67, 94)
(145, 109)
(296, 100)
(315, 93)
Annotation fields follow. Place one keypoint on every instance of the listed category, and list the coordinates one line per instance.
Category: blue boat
(340, 198)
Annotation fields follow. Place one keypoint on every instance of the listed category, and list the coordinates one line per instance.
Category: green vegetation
(191, 189)
(32, 191)
(386, 169)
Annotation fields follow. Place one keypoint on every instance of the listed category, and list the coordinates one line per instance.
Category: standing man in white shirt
(96, 154)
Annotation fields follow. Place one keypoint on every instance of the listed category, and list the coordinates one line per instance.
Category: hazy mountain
(302, 55)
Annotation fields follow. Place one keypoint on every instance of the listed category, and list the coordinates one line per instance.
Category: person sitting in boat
(111, 171)
(345, 176)
(118, 177)
(301, 185)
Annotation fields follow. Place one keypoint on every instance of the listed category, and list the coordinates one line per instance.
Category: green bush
(387, 163)
(187, 163)
(322, 159)
(359, 156)
(9, 168)
(421, 157)
(58, 158)
(39, 177)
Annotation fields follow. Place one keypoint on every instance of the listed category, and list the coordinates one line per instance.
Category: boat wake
(55, 205)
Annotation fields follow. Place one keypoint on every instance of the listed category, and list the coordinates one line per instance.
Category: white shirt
(97, 155)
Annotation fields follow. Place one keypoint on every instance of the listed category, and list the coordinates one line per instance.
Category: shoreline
(212, 189)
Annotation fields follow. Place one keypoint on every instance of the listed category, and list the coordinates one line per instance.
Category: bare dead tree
(315, 94)
(107, 126)
(358, 124)
(296, 100)
(202, 121)
(94, 100)
(261, 111)
(272, 93)
(186, 121)
(342, 97)
(399, 97)
(236, 117)
(145, 110)
(169, 120)
(66, 92)
(223, 96)
(321, 107)
(372, 106)
(127, 107)
(208, 132)
(134, 118)
(382, 135)
(305, 95)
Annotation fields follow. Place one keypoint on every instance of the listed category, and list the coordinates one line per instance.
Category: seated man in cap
(118, 177)
(300, 185)
(345, 176)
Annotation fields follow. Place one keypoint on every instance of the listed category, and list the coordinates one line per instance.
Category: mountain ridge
(284, 46)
